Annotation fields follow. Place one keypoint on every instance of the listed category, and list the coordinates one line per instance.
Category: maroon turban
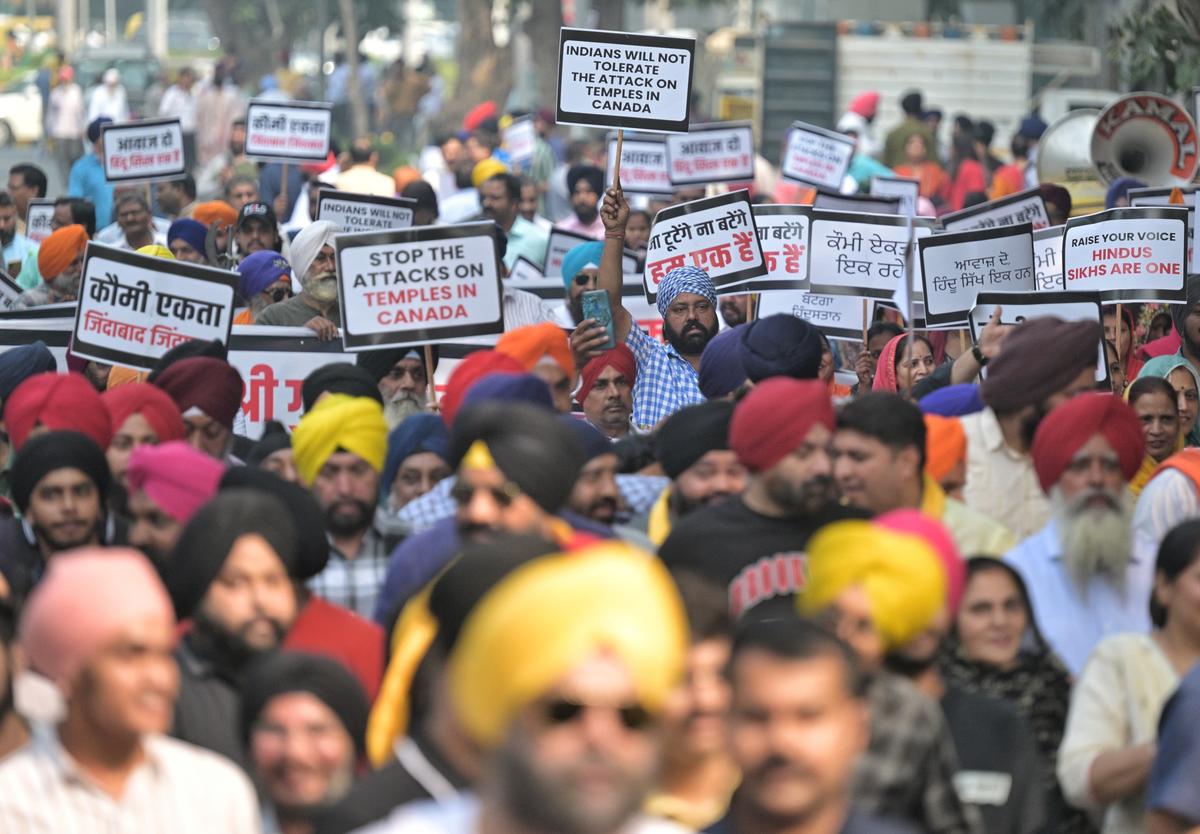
(210, 385)
(619, 357)
(1065, 429)
(1039, 358)
(774, 418)
(470, 370)
(58, 402)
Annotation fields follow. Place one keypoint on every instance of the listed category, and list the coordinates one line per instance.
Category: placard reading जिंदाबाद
(1128, 254)
(133, 308)
(719, 152)
(957, 266)
(783, 235)
(297, 131)
(615, 79)
(412, 286)
(815, 156)
(353, 212)
(643, 165)
(1023, 207)
(716, 234)
(135, 151)
(1022, 306)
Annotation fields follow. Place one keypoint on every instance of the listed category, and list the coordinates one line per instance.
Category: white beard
(1095, 540)
(322, 287)
(395, 412)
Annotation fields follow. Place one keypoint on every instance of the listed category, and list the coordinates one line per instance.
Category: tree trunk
(610, 14)
(542, 28)
(358, 105)
(484, 69)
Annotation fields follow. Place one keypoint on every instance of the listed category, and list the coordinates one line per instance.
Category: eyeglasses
(280, 293)
(463, 493)
(582, 280)
(559, 712)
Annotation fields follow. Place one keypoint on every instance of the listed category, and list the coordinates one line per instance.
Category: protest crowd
(612, 563)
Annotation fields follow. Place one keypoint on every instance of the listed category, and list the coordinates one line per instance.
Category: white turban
(307, 246)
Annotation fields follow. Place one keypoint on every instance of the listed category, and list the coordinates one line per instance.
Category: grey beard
(66, 285)
(1095, 540)
(400, 408)
(258, 304)
(322, 287)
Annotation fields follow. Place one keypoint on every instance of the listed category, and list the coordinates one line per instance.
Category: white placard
(859, 203)
(133, 308)
(1047, 258)
(1018, 307)
(562, 241)
(520, 140)
(1128, 254)
(352, 212)
(721, 152)
(957, 266)
(908, 190)
(615, 79)
(39, 220)
(861, 254)
(815, 156)
(145, 150)
(1140, 197)
(643, 165)
(524, 269)
(1022, 207)
(838, 316)
(716, 234)
(288, 132)
(412, 286)
(783, 235)
(9, 292)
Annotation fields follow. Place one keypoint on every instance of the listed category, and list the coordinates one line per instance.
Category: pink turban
(86, 599)
(176, 477)
(936, 536)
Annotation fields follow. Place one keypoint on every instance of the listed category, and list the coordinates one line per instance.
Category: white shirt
(1073, 624)
(1001, 482)
(460, 815)
(523, 308)
(1166, 501)
(177, 788)
(160, 238)
(180, 103)
(111, 103)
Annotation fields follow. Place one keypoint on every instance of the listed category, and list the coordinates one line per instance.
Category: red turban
(58, 402)
(775, 417)
(150, 401)
(475, 367)
(479, 114)
(530, 344)
(1065, 429)
(619, 357)
(211, 385)
(57, 251)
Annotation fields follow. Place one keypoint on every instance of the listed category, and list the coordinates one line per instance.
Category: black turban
(19, 363)
(214, 349)
(54, 450)
(275, 438)
(338, 378)
(781, 345)
(312, 548)
(211, 534)
(1039, 358)
(379, 362)
(594, 444)
(593, 175)
(529, 445)
(280, 673)
(691, 433)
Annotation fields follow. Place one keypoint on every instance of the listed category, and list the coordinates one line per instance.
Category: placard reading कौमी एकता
(295, 131)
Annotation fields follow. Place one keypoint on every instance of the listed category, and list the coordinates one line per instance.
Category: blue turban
(192, 232)
(721, 368)
(93, 128)
(953, 401)
(260, 270)
(415, 434)
(684, 279)
(594, 444)
(1120, 188)
(509, 388)
(578, 258)
(781, 345)
(19, 363)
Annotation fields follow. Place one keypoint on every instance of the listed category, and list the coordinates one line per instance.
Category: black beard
(907, 666)
(588, 215)
(345, 527)
(806, 498)
(7, 237)
(575, 307)
(688, 342)
(228, 652)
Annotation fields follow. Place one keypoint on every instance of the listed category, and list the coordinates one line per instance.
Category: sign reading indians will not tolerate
(412, 286)
(297, 131)
(133, 308)
(815, 156)
(146, 150)
(1128, 254)
(352, 212)
(716, 234)
(615, 79)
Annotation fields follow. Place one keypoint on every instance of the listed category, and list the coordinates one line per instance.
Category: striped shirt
(522, 309)
(177, 788)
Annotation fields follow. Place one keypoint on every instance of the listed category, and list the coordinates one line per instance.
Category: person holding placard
(667, 377)
(316, 307)
(16, 247)
(87, 178)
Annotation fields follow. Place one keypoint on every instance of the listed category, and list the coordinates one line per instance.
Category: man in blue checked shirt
(667, 374)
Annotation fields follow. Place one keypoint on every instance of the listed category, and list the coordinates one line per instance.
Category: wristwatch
(979, 357)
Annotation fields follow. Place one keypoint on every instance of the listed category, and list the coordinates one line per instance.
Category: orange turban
(945, 445)
(403, 175)
(57, 251)
(215, 210)
(529, 345)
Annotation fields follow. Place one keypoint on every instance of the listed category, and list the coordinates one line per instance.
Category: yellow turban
(901, 575)
(486, 169)
(156, 250)
(556, 612)
(339, 421)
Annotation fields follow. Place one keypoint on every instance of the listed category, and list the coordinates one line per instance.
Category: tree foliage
(1157, 46)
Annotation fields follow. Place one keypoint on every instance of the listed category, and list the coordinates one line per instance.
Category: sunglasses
(632, 716)
(462, 493)
(280, 293)
(582, 280)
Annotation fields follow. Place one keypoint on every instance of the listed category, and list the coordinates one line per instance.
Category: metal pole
(322, 25)
(110, 22)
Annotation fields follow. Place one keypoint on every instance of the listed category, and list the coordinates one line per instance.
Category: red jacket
(330, 630)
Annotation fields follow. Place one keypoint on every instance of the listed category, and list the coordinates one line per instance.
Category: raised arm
(614, 214)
